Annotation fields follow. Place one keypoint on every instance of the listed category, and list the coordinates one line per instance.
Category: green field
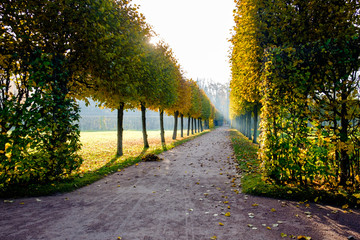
(99, 148)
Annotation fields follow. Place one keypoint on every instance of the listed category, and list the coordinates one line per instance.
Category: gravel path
(185, 196)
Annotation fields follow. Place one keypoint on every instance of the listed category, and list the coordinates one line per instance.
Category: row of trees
(299, 60)
(53, 52)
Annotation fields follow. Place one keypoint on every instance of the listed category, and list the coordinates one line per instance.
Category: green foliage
(39, 131)
(253, 182)
(40, 136)
(294, 150)
(246, 60)
(303, 58)
(113, 54)
(195, 109)
(160, 77)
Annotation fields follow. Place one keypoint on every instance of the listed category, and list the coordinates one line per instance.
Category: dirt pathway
(186, 196)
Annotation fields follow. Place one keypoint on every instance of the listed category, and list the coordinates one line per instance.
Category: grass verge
(99, 150)
(253, 183)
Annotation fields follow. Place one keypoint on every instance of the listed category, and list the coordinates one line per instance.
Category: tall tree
(302, 47)
(45, 52)
(246, 59)
(113, 83)
(158, 81)
(182, 105)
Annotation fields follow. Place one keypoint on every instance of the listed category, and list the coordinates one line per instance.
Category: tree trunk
(176, 115)
(143, 118)
(248, 125)
(162, 131)
(344, 155)
(120, 117)
(255, 123)
(201, 125)
(192, 125)
(337, 156)
(242, 124)
(189, 122)
(182, 124)
(195, 125)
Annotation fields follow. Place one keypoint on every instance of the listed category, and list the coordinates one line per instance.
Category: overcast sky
(197, 31)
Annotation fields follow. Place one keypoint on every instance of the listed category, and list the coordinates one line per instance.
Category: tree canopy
(299, 59)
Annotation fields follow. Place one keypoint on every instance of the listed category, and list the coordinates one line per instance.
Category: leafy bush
(39, 132)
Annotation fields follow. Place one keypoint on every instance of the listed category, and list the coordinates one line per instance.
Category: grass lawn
(99, 148)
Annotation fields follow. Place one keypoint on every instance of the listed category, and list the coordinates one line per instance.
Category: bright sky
(197, 31)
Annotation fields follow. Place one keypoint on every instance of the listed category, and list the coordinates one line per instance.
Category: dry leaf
(227, 214)
(221, 224)
(283, 235)
(303, 238)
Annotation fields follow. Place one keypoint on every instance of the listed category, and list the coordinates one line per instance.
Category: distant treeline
(131, 122)
(93, 118)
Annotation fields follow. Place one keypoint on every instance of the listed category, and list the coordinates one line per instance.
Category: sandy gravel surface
(186, 196)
